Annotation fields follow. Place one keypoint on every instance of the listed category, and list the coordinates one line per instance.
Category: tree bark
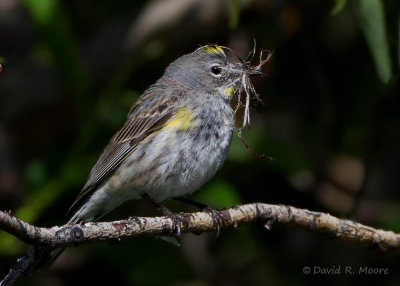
(45, 240)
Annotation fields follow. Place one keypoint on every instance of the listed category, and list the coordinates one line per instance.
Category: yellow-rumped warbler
(176, 136)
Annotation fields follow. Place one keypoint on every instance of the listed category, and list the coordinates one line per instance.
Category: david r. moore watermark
(347, 270)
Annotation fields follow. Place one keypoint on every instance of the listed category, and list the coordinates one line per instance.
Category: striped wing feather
(121, 145)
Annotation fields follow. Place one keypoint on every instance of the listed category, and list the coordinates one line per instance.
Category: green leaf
(235, 12)
(339, 5)
(371, 17)
(43, 10)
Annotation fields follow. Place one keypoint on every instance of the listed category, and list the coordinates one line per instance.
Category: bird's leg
(177, 220)
(216, 215)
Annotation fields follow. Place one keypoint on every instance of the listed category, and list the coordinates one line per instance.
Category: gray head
(211, 68)
(216, 70)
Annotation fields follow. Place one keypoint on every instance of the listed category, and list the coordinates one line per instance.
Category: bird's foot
(177, 222)
(218, 218)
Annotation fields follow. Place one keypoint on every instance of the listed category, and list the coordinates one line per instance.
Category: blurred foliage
(57, 36)
(235, 12)
(339, 5)
(372, 21)
(330, 121)
(219, 194)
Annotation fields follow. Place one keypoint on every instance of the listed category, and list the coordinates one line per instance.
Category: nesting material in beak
(247, 86)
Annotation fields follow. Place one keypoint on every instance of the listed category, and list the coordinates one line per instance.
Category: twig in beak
(246, 85)
(263, 62)
(251, 54)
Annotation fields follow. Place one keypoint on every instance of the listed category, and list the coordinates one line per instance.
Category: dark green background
(330, 120)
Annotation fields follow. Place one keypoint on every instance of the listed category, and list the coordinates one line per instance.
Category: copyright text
(346, 270)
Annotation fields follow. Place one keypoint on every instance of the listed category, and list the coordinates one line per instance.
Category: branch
(268, 215)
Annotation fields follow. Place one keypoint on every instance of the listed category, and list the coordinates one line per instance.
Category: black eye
(216, 70)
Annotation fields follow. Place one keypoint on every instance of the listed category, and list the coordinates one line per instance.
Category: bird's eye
(216, 70)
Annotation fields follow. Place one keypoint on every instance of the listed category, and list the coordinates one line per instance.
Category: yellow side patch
(184, 120)
(214, 50)
(229, 91)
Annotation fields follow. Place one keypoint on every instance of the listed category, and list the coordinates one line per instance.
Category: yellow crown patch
(214, 50)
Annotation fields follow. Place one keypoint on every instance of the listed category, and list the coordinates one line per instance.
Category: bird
(175, 138)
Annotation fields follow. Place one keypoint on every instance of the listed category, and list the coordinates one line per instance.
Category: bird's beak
(253, 72)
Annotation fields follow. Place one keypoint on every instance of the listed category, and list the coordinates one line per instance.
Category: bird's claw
(217, 217)
(177, 221)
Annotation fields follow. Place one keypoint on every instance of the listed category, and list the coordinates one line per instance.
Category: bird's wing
(121, 145)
